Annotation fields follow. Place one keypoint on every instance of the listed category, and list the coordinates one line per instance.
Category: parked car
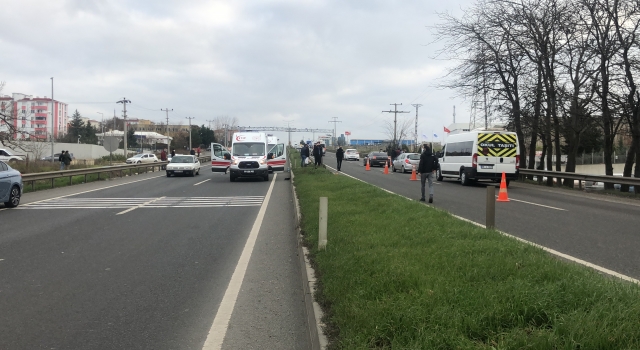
(405, 162)
(142, 158)
(10, 186)
(183, 165)
(376, 158)
(351, 154)
(7, 156)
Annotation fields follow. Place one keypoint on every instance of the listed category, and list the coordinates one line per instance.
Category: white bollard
(322, 234)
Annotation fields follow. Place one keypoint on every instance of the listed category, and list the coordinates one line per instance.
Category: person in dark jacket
(192, 152)
(339, 156)
(60, 160)
(317, 154)
(173, 153)
(66, 159)
(304, 154)
(427, 169)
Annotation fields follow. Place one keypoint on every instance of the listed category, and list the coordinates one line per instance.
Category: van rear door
(219, 163)
(497, 152)
(277, 157)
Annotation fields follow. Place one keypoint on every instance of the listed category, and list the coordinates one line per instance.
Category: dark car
(376, 158)
(10, 186)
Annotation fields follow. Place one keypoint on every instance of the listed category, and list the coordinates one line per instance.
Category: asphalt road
(144, 262)
(601, 230)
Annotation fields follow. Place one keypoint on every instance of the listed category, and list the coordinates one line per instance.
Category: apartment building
(32, 116)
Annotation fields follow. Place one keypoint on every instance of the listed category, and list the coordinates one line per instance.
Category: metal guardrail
(582, 177)
(52, 175)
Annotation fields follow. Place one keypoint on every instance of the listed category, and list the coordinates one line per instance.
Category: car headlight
(235, 162)
(262, 161)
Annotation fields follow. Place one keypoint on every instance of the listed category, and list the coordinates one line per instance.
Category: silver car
(10, 186)
(405, 162)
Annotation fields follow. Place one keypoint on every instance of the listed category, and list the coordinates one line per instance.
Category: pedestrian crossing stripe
(163, 202)
(497, 145)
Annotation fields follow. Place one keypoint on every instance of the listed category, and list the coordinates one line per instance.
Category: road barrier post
(491, 207)
(322, 234)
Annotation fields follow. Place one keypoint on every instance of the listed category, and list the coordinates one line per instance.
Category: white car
(142, 158)
(8, 156)
(351, 154)
(405, 162)
(183, 165)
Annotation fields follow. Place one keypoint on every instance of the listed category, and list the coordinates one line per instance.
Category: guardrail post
(85, 177)
(70, 180)
(322, 234)
(491, 207)
(52, 179)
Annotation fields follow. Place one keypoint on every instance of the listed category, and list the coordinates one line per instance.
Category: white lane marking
(221, 322)
(125, 203)
(139, 206)
(202, 182)
(97, 189)
(540, 205)
(548, 250)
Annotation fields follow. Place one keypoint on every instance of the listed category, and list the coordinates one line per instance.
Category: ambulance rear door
(277, 157)
(220, 158)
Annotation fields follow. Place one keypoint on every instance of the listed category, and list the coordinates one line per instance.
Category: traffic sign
(348, 133)
(111, 143)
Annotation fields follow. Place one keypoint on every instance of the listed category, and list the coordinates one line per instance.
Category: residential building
(32, 116)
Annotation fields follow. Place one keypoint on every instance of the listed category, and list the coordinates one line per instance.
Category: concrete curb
(312, 308)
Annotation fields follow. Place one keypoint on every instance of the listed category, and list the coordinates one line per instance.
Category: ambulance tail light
(517, 161)
(474, 160)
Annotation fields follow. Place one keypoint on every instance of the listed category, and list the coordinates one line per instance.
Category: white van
(249, 156)
(480, 155)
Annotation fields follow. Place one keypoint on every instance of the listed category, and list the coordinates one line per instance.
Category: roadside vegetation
(398, 274)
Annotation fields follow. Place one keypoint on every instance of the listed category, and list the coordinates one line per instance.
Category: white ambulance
(480, 155)
(248, 157)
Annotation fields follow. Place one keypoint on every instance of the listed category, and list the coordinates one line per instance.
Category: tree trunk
(535, 123)
(628, 164)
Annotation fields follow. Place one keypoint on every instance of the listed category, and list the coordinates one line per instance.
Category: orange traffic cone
(413, 174)
(386, 168)
(502, 195)
(368, 167)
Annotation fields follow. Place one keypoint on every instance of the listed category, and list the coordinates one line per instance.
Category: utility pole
(53, 110)
(190, 144)
(114, 121)
(334, 121)
(102, 124)
(210, 121)
(166, 131)
(454, 114)
(415, 132)
(124, 102)
(395, 120)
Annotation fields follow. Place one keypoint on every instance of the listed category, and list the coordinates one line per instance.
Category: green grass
(397, 274)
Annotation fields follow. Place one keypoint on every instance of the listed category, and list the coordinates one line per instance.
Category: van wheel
(508, 182)
(464, 180)
(266, 177)
(14, 197)
(439, 175)
(393, 167)
(232, 178)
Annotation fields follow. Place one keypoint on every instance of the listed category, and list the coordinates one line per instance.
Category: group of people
(65, 160)
(317, 152)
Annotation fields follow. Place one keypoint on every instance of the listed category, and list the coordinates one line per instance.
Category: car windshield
(414, 156)
(182, 159)
(138, 156)
(378, 154)
(248, 149)
(352, 151)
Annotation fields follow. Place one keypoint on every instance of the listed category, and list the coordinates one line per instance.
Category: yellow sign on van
(497, 145)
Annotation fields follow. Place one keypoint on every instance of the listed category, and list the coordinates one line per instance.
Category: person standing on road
(317, 154)
(173, 153)
(427, 169)
(339, 156)
(198, 151)
(66, 160)
(304, 154)
(163, 157)
(60, 160)
(192, 152)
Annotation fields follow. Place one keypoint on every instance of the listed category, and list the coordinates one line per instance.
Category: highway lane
(76, 275)
(603, 231)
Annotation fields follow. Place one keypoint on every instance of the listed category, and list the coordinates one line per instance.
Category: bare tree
(403, 129)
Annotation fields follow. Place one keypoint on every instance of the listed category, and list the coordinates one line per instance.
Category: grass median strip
(402, 275)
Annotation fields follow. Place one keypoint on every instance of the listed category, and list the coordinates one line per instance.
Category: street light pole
(53, 104)
(124, 101)
(102, 122)
(190, 144)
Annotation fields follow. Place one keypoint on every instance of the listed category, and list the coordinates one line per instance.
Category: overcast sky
(267, 63)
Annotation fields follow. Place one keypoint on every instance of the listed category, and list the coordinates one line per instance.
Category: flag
(424, 136)
(446, 130)
(435, 135)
